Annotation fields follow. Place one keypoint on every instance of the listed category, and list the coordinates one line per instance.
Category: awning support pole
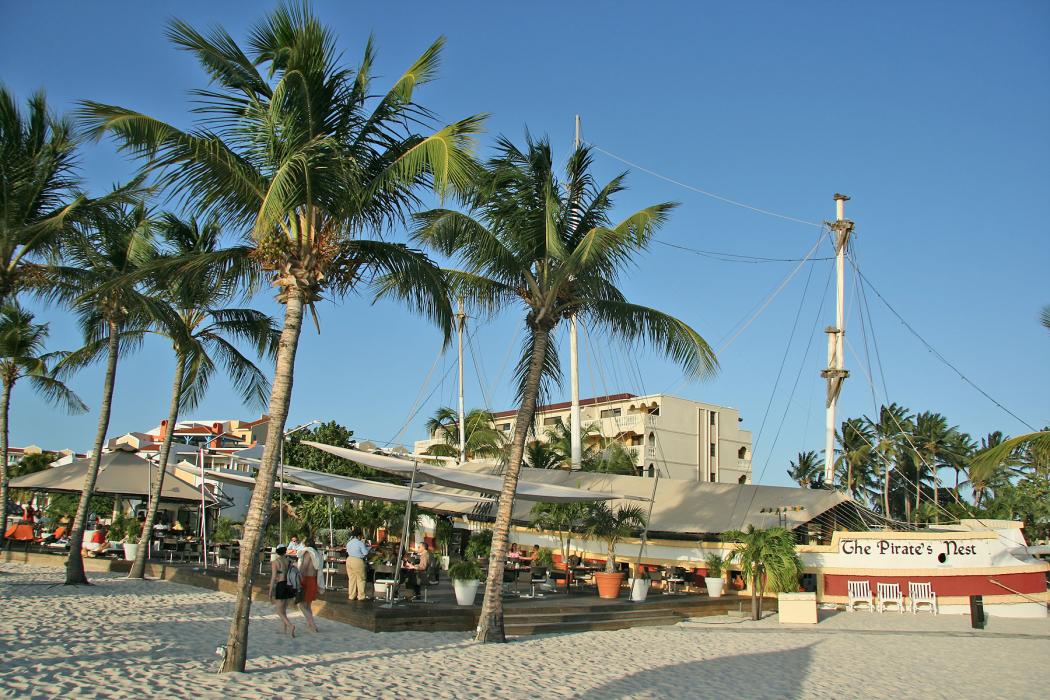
(404, 532)
(645, 532)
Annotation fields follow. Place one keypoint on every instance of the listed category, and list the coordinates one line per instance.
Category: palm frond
(634, 323)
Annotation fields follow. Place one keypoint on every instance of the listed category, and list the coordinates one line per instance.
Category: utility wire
(712, 195)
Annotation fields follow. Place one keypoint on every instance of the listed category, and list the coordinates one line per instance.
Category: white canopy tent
(470, 481)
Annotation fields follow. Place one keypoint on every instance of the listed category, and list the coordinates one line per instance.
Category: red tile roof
(195, 430)
(566, 404)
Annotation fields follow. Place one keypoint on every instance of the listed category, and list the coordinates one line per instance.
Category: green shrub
(480, 544)
(545, 557)
(465, 571)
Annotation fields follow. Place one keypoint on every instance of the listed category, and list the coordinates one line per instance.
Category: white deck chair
(922, 594)
(889, 594)
(859, 592)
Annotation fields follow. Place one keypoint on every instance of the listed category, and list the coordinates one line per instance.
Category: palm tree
(551, 246)
(294, 149)
(483, 439)
(932, 437)
(767, 559)
(562, 518)
(39, 190)
(22, 357)
(612, 458)
(855, 462)
(998, 460)
(893, 424)
(540, 455)
(200, 340)
(612, 525)
(96, 281)
(807, 471)
(559, 437)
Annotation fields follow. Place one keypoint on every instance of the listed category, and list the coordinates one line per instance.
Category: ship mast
(575, 433)
(841, 229)
(460, 320)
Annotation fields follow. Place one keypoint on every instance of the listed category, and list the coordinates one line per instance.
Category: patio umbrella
(120, 473)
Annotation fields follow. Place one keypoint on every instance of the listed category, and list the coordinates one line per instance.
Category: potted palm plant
(768, 560)
(128, 529)
(717, 565)
(640, 585)
(612, 525)
(465, 575)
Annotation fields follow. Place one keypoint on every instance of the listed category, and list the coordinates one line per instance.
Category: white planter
(639, 589)
(714, 586)
(131, 550)
(445, 560)
(465, 591)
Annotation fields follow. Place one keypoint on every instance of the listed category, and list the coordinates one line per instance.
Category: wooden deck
(551, 613)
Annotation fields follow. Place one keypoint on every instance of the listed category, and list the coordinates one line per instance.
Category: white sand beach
(120, 638)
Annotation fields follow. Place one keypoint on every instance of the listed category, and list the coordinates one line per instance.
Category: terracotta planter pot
(609, 584)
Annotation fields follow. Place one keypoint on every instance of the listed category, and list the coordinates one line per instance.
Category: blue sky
(932, 116)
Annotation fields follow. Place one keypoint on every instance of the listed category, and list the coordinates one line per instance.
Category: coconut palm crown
(549, 246)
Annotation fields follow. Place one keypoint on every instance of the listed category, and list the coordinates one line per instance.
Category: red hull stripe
(965, 585)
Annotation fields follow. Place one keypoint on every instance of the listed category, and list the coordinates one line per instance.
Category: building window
(652, 470)
(552, 421)
(741, 453)
(654, 411)
(712, 449)
(742, 479)
(635, 440)
(505, 427)
(611, 413)
(713, 414)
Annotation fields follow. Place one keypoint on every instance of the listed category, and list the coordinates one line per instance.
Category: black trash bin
(977, 612)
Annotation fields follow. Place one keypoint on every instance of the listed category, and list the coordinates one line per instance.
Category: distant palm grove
(293, 175)
(918, 468)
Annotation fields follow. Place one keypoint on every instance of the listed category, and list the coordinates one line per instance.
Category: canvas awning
(696, 508)
(120, 473)
(320, 483)
(469, 481)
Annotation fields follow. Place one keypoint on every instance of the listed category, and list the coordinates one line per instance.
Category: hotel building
(683, 439)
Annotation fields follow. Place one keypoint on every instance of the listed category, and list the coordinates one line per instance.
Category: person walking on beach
(280, 591)
(311, 568)
(356, 552)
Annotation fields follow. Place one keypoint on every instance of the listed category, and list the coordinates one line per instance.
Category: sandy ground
(120, 638)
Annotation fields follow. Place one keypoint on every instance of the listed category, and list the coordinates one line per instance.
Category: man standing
(356, 551)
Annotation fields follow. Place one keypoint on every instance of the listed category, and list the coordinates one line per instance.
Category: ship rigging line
(933, 350)
(735, 257)
(712, 195)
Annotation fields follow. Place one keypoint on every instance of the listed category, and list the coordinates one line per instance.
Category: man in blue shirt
(356, 552)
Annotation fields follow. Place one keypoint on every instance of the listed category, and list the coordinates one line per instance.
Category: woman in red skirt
(310, 565)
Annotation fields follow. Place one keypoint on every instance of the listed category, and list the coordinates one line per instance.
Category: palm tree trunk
(918, 489)
(5, 402)
(936, 498)
(490, 622)
(262, 494)
(138, 569)
(761, 593)
(754, 596)
(886, 491)
(75, 562)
